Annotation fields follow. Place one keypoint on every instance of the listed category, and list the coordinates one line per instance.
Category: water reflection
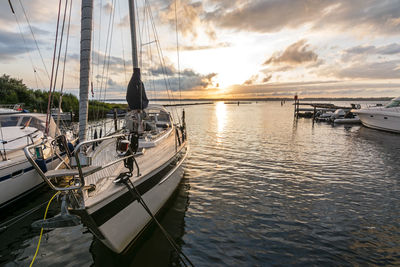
(220, 113)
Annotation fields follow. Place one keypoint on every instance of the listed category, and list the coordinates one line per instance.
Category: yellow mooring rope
(41, 230)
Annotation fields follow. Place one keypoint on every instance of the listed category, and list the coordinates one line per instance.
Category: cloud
(253, 79)
(124, 22)
(111, 82)
(12, 44)
(108, 7)
(36, 10)
(315, 88)
(267, 78)
(190, 18)
(374, 70)
(294, 55)
(204, 47)
(389, 49)
(188, 79)
(272, 16)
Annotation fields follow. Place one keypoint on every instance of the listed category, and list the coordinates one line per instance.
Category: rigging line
(152, 80)
(33, 35)
(65, 60)
(104, 61)
(59, 51)
(150, 59)
(52, 69)
(177, 53)
(99, 47)
(161, 56)
(140, 36)
(109, 51)
(11, 6)
(25, 45)
(122, 42)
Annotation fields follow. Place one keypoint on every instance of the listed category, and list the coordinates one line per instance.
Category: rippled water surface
(259, 189)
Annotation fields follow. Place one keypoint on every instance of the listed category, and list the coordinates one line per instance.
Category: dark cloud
(276, 15)
(253, 79)
(188, 79)
(12, 44)
(267, 78)
(295, 54)
(389, 49)
(111, 82)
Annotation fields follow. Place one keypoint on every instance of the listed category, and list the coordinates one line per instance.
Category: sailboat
(116, 184)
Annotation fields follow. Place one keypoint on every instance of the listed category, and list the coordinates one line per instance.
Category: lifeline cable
(137, 195)
(41, 230)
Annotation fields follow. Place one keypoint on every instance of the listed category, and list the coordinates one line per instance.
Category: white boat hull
(18, 178)
(381, 121)
(119, 228)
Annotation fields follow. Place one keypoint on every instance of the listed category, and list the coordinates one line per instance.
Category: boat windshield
(10, 121)
(393, 104)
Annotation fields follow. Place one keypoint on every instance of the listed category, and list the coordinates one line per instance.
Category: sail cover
(136, 94)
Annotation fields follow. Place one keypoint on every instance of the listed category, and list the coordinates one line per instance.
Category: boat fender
(134, 142)
(70, 146)
(42, 164)
(177, 136)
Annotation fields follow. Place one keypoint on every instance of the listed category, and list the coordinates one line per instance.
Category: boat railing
(83, 167)
(4, 151)
(104, 128)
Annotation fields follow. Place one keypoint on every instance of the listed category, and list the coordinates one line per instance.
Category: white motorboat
(116, 184)
(386, 118)
(17, 176)
(10, 109)
(341, 116)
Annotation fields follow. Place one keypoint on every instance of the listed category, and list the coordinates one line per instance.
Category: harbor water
(260, 189)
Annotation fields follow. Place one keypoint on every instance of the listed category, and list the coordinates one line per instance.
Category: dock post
(115, 120)
(313, 117)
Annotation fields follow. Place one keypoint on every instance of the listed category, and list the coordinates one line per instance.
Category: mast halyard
(85, 53)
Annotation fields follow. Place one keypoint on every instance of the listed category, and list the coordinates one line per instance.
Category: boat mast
(133, 34)
(86, 45)
(135, 94)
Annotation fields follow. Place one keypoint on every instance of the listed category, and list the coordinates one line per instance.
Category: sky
(227, 48)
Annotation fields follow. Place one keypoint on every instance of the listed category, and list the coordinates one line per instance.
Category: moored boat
(17, 176)
(386, 118)
(116, 184)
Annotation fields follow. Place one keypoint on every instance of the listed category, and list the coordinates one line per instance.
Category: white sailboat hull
(18, 178)
(133, 219)
(118, 230)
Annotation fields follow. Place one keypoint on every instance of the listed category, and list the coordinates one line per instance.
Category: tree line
(14, 91)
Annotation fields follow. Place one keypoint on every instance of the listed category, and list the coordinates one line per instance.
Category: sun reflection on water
(220, 113)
